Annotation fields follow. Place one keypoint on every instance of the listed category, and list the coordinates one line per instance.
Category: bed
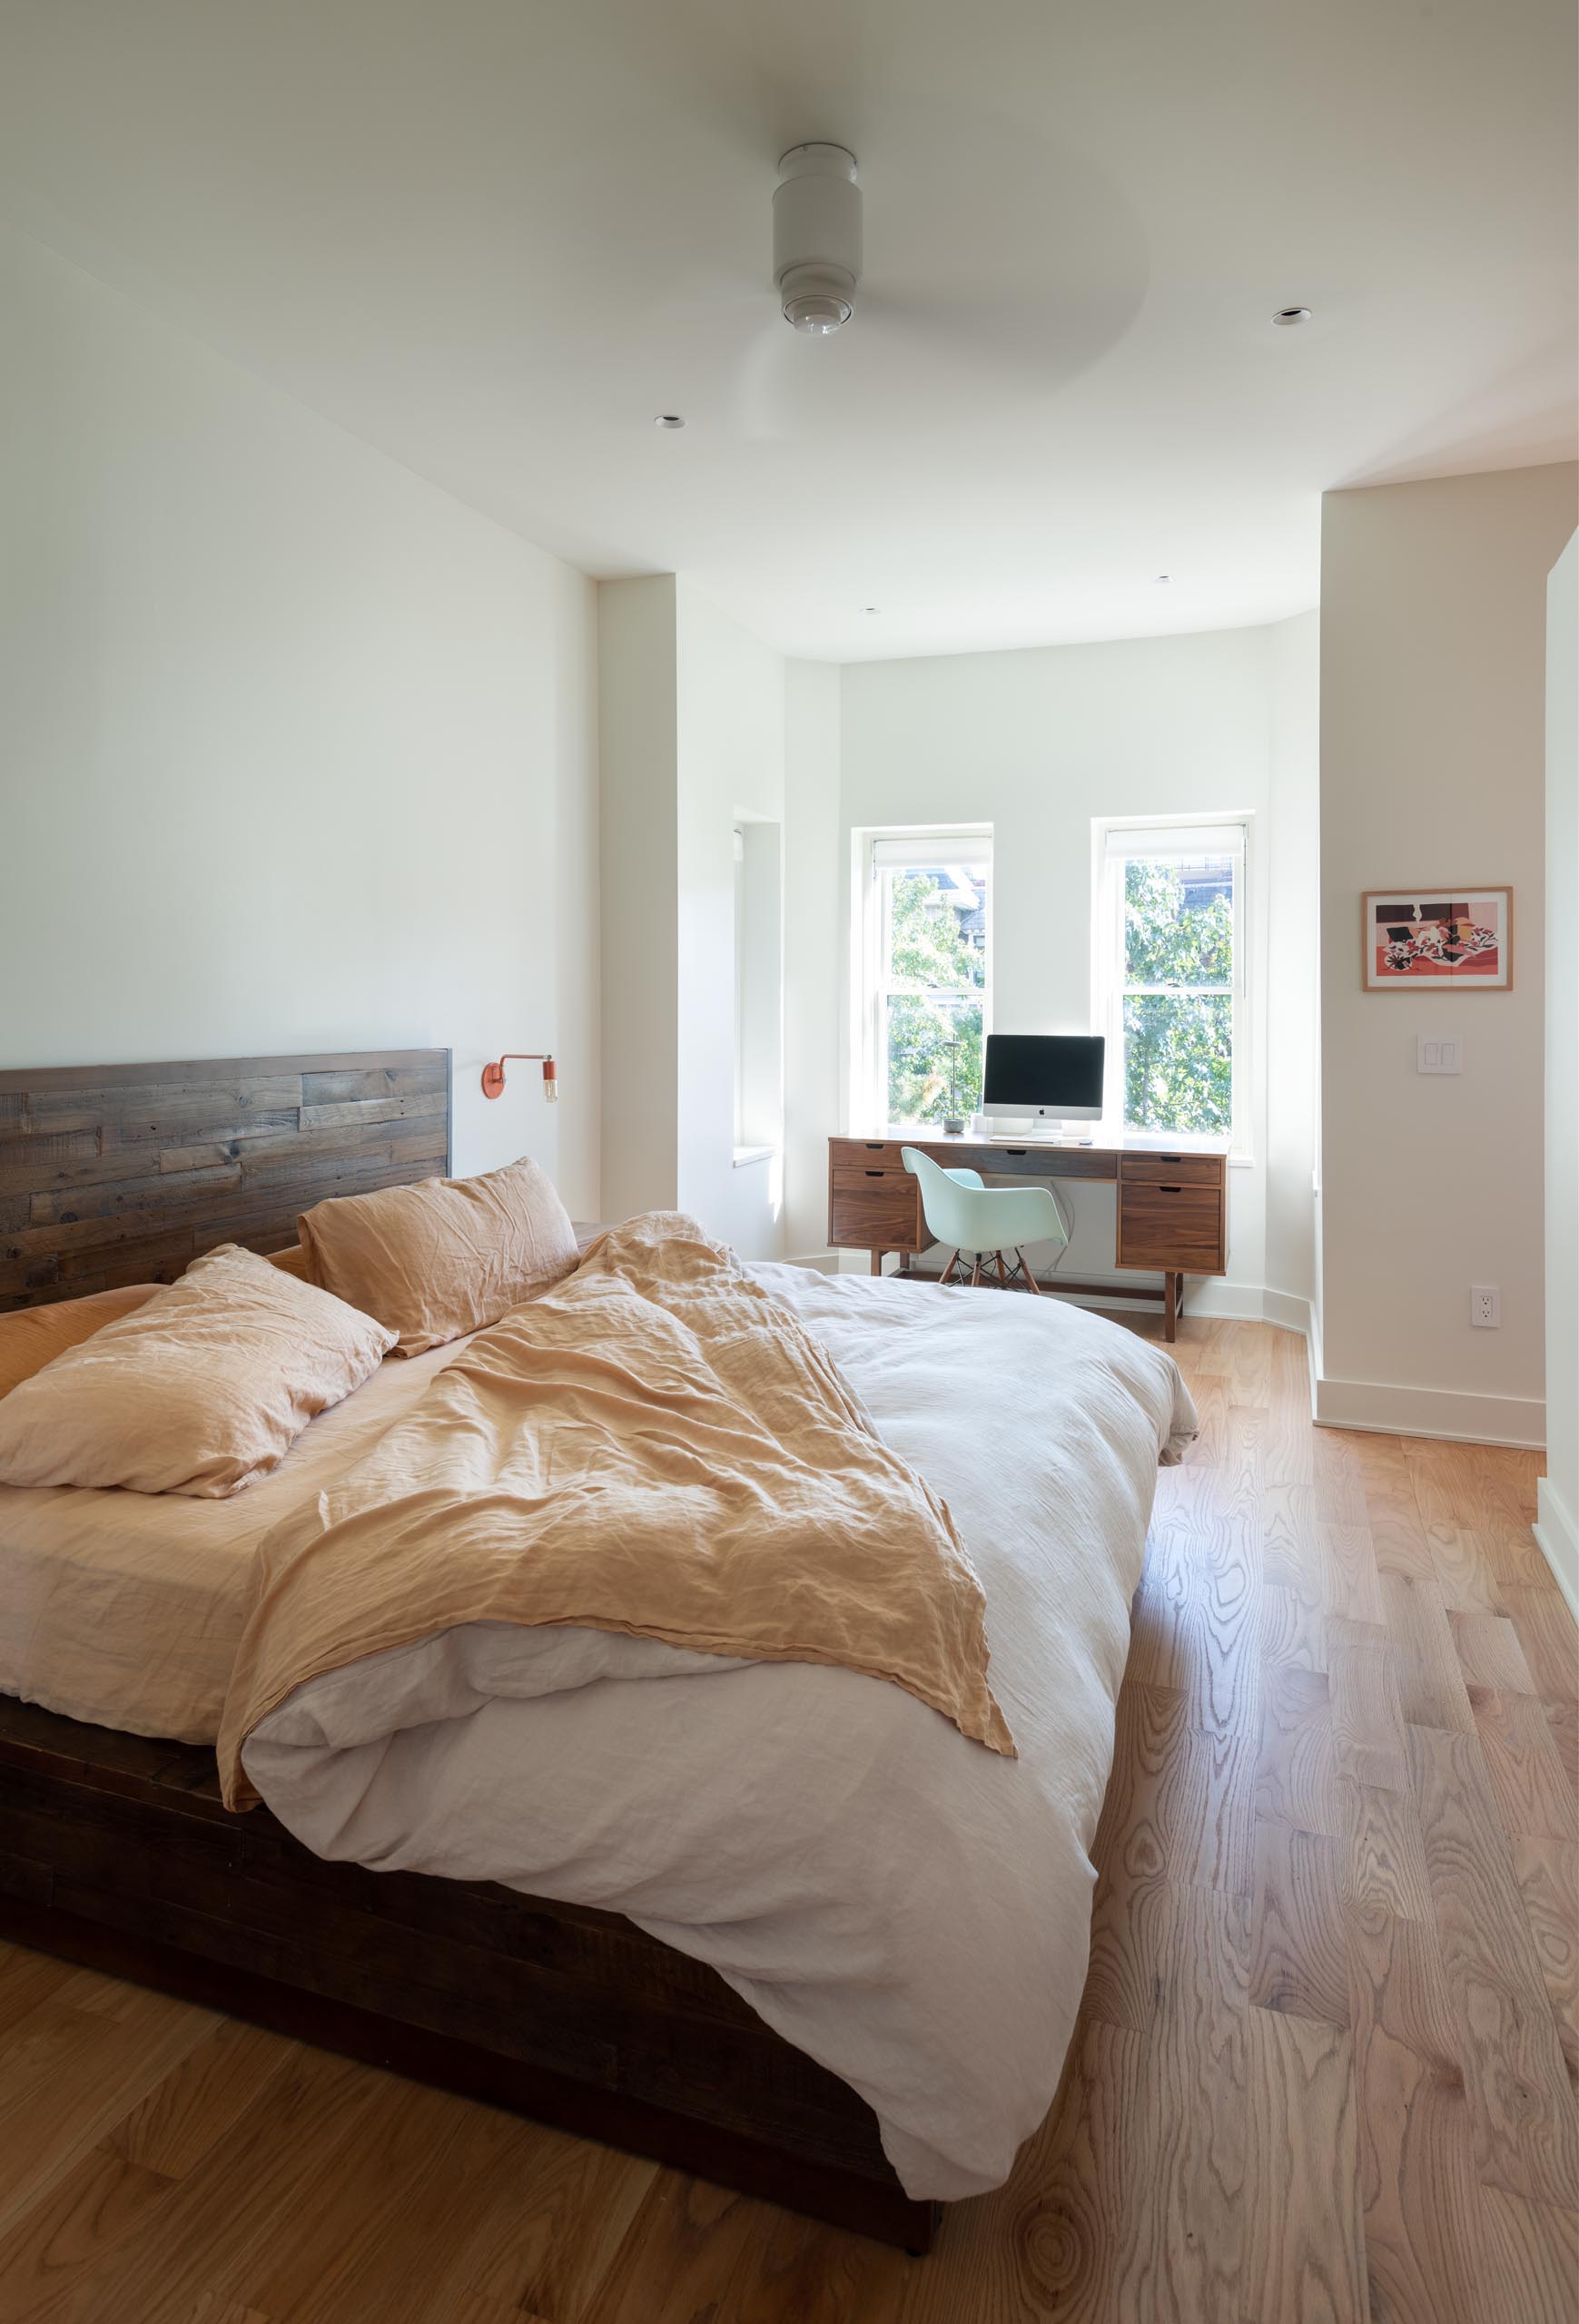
(930, 1938)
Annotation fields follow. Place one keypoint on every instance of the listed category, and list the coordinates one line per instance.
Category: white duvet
(910, 1909)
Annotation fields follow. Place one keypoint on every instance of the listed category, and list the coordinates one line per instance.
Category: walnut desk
(1171, 1208)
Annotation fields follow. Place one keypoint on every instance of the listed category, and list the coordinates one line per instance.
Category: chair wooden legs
(1006, 1275)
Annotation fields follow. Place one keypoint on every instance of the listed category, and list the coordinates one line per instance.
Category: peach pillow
(445, 1257)
(35, 1336)
(291, 1262)
(201, 1389)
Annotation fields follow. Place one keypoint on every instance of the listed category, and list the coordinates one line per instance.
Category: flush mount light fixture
(1286, 317)
(668, 419)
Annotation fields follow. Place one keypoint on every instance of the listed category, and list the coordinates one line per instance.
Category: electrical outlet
(1484, 1306)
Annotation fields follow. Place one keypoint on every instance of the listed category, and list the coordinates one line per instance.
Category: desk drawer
(857, 1178)
(873, 1211)
(1169, 1225)
(1173, 1169)
(864, 1153)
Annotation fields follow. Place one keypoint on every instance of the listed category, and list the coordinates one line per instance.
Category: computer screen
(1059, 1074)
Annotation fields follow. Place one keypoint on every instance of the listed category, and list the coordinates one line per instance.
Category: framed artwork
(1420, 936)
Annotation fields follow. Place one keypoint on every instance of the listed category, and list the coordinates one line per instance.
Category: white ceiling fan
(944, 329)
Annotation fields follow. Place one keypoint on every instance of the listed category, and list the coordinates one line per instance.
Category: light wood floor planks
(1326, 2066)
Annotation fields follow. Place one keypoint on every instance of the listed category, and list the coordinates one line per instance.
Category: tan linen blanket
(657, 1446)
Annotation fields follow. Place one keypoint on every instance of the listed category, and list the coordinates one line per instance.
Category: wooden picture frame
(1457, 938)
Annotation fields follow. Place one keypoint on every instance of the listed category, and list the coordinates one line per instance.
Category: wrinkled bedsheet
(909, 1909)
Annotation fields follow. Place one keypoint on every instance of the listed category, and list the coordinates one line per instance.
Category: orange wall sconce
(493, 1076)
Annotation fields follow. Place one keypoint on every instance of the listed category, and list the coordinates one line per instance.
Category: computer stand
(1036, 1135)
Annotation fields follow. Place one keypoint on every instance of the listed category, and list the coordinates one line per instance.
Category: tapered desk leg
(877, 1259)
(1171, 1286)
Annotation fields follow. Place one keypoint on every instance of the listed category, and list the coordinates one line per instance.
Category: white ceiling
(495, 238)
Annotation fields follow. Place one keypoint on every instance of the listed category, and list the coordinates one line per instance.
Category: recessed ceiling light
(1288, 316)
(872, 609)
(1163, 577)
(668, 419)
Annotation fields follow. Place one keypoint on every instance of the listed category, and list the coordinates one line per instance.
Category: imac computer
(1047, 1079)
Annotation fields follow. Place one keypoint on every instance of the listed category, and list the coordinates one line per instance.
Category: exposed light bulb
(819, 314)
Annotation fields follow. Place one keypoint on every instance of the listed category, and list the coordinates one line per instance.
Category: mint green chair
(979, 1221)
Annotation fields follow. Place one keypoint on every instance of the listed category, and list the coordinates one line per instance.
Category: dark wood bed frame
(115, 1851)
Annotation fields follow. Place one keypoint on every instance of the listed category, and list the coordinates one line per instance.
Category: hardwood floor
(1326, 2065)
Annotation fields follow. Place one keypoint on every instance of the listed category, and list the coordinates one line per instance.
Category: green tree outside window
(1178, 995)
(934, 929)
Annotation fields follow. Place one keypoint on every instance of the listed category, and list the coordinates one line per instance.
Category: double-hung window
(925, 991)
(1169, 957)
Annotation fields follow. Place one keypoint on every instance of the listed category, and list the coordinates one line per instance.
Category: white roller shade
(1186, 843)
(918, 852)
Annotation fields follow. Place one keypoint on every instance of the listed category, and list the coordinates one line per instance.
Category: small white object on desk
(989, 1128)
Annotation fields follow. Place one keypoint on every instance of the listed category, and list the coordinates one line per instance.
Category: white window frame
(1115, 839)
(889, 849)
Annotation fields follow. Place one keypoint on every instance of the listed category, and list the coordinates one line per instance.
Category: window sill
(745, 1155)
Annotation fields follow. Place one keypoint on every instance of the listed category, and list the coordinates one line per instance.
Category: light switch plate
(1439, 1053)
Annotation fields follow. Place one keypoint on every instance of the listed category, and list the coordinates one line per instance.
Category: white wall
(639, 736)
(731, 727)
(693, 715)
(298, 754)
(1291, 1019)
(759, 984)
(813, 948)
(1433, 627)
(1558, 1527)
(1038, 744)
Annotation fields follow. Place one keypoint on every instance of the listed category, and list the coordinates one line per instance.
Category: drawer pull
(874, 1174)
(873, 1146)
(1171, 1190)
(1170, 1157)
(1019, 1152)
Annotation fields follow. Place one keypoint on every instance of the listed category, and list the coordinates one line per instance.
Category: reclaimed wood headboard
(114, 1174)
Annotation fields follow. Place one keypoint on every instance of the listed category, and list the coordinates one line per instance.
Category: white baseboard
(820, 1262)
(1390, 1411)
(1246, 1303)
(1558, 1535)
(1287, 1309)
